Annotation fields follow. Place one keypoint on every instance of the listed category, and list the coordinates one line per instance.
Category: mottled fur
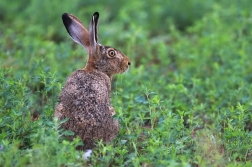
(85, 97)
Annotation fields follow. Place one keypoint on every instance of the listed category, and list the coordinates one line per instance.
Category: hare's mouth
(126, 66)
(125, 69)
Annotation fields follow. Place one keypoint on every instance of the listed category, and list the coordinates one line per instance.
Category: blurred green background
(186, 100)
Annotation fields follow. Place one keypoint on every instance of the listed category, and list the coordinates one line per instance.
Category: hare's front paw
(112, 110)
(58, 111)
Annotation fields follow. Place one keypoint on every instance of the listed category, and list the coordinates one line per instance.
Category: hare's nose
(128, 63)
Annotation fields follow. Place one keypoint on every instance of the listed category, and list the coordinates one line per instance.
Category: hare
(85, 98)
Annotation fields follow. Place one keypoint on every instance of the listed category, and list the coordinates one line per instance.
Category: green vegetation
(186, 101)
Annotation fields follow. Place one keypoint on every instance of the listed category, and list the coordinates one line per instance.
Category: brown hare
(85, 97)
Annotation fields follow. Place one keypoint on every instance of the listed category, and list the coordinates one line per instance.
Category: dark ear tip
(96, 14)
(66, 19)
(64, 16)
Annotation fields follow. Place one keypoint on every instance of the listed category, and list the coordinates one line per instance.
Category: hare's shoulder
(84, 92)
(94, 79)
(82, 84)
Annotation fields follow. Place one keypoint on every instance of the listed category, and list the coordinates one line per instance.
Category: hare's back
(85, 101)
(86, 90)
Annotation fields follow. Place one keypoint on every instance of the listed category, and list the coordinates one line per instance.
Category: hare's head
(102, 58)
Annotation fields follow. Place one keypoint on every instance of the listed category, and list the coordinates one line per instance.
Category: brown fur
(85, 97)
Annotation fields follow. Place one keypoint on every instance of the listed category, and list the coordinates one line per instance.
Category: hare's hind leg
(87, 154)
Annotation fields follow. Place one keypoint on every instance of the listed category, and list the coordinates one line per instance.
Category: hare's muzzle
(127, 63)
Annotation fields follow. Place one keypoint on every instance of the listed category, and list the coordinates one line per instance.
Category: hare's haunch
(85, 97)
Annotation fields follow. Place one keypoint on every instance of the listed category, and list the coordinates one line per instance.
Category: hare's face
(102, 58)
(111, 61)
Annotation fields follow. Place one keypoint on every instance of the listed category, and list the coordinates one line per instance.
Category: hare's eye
(111, 53)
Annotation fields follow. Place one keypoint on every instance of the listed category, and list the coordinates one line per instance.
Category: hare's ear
(76, 30)
(93, 34)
